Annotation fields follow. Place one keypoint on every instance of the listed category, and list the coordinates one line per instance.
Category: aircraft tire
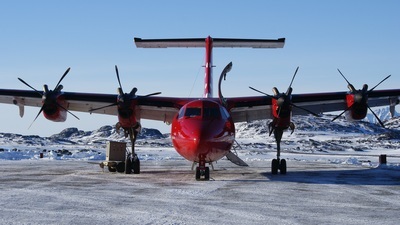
(274, 166)
(136, 165)
(282, 166)
(112, 169)
(121, 167)
(198, 173)
(128, 166)
(207, 174)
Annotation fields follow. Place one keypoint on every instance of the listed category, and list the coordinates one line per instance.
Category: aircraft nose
(201, 136)
(195, 138)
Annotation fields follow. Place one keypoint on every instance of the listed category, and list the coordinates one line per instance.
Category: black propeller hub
(133, 92)
(365, 88)
(283, 100)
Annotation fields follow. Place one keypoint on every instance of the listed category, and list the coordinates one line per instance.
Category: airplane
(202, 129)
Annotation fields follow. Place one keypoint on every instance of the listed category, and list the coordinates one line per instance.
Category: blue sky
(40, 39)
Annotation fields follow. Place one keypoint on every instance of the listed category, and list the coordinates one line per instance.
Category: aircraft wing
(245, 109)
(165, 108)
(153, 108)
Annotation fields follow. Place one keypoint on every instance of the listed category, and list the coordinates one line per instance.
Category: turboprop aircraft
(202, 129)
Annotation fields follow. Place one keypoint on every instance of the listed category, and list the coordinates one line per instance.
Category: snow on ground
(334, 177)
(313, 192)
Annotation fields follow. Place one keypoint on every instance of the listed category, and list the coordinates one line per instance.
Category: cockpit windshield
(202, 109)
(211, 113)
(193, 112)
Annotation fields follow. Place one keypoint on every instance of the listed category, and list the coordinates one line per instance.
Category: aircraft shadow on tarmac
(372, 176)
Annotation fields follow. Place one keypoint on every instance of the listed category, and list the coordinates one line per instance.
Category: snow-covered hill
(312, 135)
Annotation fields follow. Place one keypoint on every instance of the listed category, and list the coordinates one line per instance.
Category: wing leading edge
(242, 109)
(245, 109)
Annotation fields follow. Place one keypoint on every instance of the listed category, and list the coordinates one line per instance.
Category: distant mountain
(104, 132)
(322, 124)
(335, 134)
(74, 136)
(383, 113)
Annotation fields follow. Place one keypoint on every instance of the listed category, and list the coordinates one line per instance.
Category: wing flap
(247, 114)
(164, 114)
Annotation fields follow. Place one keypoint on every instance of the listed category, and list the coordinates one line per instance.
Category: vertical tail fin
(209, 43)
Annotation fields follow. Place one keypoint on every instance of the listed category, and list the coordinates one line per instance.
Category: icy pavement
(333, 178)
(313, 192)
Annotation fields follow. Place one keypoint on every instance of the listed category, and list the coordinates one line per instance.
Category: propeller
(124, 97)
(360, 97)
(285, 99)
(49, 96)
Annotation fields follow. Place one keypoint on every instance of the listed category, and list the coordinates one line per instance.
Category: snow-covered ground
(334, 177)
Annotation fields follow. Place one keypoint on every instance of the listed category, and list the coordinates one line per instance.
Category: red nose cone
(196, 136)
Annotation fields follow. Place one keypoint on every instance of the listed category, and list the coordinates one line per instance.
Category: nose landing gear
(202, 171)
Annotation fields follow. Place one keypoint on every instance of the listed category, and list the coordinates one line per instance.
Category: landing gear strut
(278, 164)
(132, 162)
(202, 171)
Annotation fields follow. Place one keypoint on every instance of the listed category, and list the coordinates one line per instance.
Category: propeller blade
(379, 83)
(40, 111)
(113, 104)
(376, 116)
(155, 93)
(65, 74)
(305, 110)
(67, 111)
(30, 86)
(344, 77)
(291, 82)
(350, 86)
(342, 113)
(262, 92)
(119, 81)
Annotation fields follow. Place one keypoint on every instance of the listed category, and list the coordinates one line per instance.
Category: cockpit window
(193, 112)
(211, 113)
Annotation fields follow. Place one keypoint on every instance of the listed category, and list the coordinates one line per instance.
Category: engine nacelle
(357, 109)
(55, 111)
(127, 114)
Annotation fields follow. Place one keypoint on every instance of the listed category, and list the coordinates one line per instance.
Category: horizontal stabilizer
(217, 42)
(235, 159)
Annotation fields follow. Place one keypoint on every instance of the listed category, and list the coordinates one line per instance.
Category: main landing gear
(132, 162)
(279, 164)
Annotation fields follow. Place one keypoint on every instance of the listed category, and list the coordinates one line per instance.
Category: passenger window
(192, 112)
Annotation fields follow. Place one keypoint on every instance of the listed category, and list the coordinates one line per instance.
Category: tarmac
(166, 192)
